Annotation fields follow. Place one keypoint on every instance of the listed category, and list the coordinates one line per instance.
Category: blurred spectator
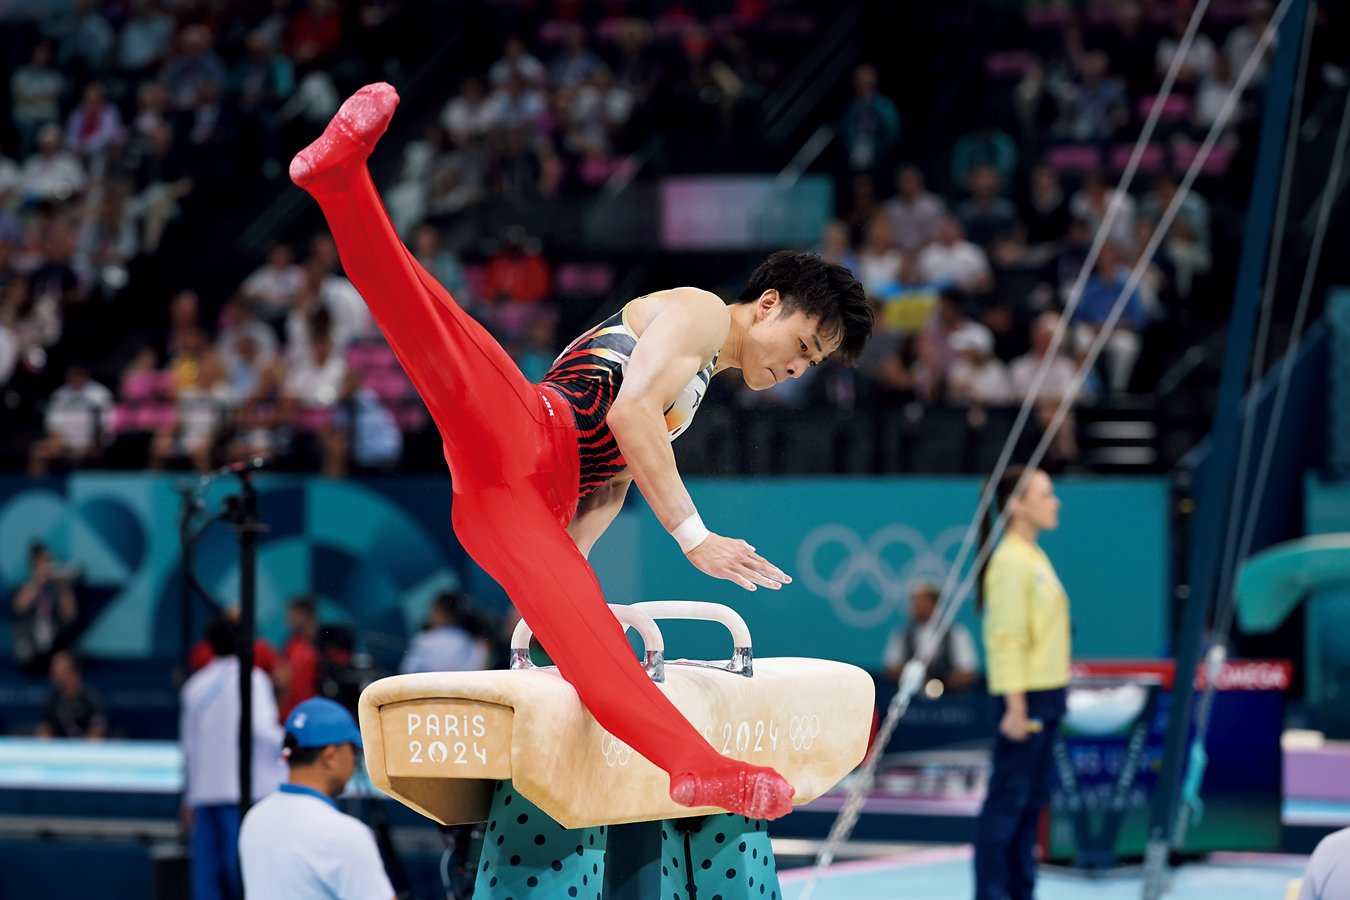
(162, 179)
(51, 174)
(202, 406)
(954, 665)
(442, 263)
(535, 357)
(445, 645)
(35, 93)
(915, 213)
(203, 652)
(863, 208)
(145, 40)
(274, 285)
(1130, 47)
(298, 674)
(871, 126)
(1189, 258)
(517, 272)
(836, 247)
(1092, 202)
(94, 126)
(986, 146)
(259, 84)
(955, 260)
(575, 64)
(878, 259)
(1198, 60)
(364, 430)
(1214, 91)
(1057, 381)
(45, 610)
(314, 34)
(195, 64)
(88, 45)
(72, 708)
(75, 422)
(516, 61)
(1046, 214)
(238, 323)
(1100, 295)
(909, 300)
(107, 244)
(315, 380)
(1036, 107)
(1096, 107)
(1328, 874)
(1194, 210)
(977, 377)
(209, 734)
(471, 114)
(987, 217)
(520, 107)
(935, 345)
(1242, 40)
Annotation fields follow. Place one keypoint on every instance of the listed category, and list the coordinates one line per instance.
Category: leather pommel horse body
(438, 742)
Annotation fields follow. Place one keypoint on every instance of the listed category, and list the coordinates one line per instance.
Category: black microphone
(244, 465)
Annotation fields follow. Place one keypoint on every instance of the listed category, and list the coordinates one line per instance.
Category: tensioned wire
(951, 600)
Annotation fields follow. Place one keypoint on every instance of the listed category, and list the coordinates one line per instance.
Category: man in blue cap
(295, 844)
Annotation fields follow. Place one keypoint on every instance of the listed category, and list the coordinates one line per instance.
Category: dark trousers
(215, 852)
(1019, 789)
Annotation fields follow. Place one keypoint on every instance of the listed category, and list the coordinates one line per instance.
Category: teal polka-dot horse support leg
(527, 855)
(722, 857)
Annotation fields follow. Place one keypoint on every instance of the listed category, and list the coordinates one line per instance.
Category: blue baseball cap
(318, 722)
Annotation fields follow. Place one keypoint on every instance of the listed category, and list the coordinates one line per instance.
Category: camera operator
(45, 610)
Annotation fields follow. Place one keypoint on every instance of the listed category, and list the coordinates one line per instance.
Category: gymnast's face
(1038, 506)
(781, 345)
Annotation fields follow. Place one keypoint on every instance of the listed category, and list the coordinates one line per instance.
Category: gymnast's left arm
(596, 513)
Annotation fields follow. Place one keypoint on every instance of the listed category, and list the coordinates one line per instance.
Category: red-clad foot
(350, 136)
(752, 791)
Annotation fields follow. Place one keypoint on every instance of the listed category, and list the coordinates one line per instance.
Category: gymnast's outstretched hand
(736, 561)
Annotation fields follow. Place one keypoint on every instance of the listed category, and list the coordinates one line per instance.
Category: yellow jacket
(1026, 620)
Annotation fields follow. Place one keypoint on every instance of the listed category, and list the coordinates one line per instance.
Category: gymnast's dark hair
(810, 285)
(1003, 495)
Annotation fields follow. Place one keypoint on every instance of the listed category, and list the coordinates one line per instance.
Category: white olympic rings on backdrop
(865, 565)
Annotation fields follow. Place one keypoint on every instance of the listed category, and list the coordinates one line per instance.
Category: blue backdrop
(376, 550)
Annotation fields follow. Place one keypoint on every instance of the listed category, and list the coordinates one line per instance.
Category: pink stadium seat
(1008, 64)
(1048, 17)
(312, 418)
(139, 387)
(410, 417)
(1074, 157)
(1154, 158)
(553, 31)
(1175, 108)
(1216, 164)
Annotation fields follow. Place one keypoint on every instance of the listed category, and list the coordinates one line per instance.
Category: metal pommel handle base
(642, 617)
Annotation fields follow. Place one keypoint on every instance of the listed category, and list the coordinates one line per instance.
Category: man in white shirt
(446, 645)
(954, 663)
(954, 260)
(296, 844)
(209, 732)
(76, 422)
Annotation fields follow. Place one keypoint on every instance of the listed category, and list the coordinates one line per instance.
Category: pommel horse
(519, 750)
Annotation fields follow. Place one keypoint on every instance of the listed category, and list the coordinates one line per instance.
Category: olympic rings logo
(803, 731)
(887, 563)
(616, 752)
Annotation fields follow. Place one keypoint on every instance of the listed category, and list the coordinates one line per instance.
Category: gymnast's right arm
(674, 346)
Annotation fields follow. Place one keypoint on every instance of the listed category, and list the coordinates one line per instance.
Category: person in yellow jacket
(1026, 638)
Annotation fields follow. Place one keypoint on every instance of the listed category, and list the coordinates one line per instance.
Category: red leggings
(512, 451)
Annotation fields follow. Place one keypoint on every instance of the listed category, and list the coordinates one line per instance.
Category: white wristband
(690, 533)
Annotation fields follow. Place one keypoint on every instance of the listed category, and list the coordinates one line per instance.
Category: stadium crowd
(122, 112)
